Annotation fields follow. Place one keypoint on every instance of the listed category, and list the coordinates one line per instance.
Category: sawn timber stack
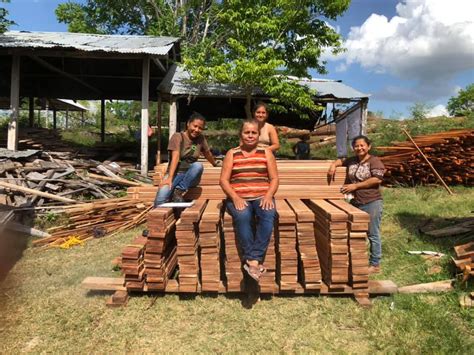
(317, 245)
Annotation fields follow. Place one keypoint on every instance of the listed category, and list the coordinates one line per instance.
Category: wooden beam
(77, 54)
(159, 65)
(31, 111)
(54, 119)
(12, 143)
(102, 120)
(34, 192)
(144, 118)
(173, 118)
(159, 119)
(63, 73)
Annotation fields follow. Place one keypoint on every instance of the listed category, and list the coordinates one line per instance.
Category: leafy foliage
(4, 21)
(259, 44)
(463, 103)
(419, 110)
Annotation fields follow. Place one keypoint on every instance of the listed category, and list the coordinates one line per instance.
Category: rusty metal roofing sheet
(151, 45)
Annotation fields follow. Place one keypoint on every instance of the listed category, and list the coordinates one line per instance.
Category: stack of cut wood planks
(96, 219)
(160, 249)
(451, 153)
(287, 255)
(132, 264)
(232, 256)
(332, 240)
(210, 243)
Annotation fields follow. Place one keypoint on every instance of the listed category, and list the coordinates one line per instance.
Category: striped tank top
(249, 177)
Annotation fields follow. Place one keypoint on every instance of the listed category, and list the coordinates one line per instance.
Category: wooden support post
(173, 121)
(144, 121)
(102, 120)
(363, 110)
(429, 163)
(67, 118)
(39, 117)
(54, 119)
(46, 122)
(12, 143)
(31, 111)
(159, 119)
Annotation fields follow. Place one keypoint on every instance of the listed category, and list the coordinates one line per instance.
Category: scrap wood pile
(38, 178)
(464, 260)
(451, 153)
(96, 219)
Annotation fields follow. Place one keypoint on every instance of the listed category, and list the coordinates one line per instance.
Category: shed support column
(12, 143)
(363, 111)
(54, 119)
(67, 118)
(102, 120)
(159, 118)
(144, 125)
(46, 122)
(173, 117)
(31, 109)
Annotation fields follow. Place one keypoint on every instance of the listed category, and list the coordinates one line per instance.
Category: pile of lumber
(451, 153)
(465, 259)
(38, 178)
(132, 264)
(96, 219)
(232, 256)
(332, 241)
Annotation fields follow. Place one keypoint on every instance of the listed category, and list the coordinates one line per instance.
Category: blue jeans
(253, 244)
(374, 209)
(183, 181)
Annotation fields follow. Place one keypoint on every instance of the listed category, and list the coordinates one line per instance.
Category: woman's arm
(224, 181)
(366, 184)
(172, 168)
(332, 169)
(210, 158)
(274, 141)
(267, 201)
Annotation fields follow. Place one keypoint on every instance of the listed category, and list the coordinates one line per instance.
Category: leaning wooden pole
(428, 162)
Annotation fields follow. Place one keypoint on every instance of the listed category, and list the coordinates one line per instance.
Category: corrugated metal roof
(89, 42)
(176, 82)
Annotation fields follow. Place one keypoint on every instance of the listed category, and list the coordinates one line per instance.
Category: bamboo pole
(429, 163)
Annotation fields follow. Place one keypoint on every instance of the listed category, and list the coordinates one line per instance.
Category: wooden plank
(34, 192)
(103, 283)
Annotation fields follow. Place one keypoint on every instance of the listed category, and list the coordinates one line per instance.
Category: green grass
(43, 308)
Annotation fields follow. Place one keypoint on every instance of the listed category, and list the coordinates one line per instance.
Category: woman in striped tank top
(249, 178)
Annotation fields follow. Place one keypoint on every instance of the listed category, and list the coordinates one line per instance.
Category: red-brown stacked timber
(232, 256)
(160, 248)
(268, 278)
(451, 153)
(210, 243)
(465, 259)
(187, 241)
(307, 250)
(133, 266)
(332, 242)
(287, 256)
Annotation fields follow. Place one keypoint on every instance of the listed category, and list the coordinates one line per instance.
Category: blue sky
(400, 52)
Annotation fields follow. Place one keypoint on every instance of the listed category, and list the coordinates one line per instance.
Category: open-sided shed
(84, 66)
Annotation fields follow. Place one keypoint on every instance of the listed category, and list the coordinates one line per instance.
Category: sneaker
(374, 269)
(178, 195)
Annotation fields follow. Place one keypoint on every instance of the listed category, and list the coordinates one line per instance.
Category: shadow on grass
(416, 224)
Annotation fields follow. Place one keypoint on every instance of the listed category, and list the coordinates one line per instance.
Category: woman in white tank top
(268, 135)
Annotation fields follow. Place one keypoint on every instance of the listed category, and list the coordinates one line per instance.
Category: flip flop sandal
(253, 272)
(262, 269)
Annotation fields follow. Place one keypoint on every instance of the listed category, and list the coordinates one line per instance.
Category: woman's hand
(167, 181)
(239, 203)
(348, 188)
(331, 173)
(266, 203)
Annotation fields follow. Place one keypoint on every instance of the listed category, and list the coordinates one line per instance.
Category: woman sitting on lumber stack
(364, 176)
(268, 136)
(249, 178)
(184, 171)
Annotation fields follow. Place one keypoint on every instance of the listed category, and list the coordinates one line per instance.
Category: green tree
(463, 103)
(419, 110)
(4, 21)
(190, 19)
(264, 43)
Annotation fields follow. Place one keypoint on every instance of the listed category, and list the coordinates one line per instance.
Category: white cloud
(429, 41)
(438, 110)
